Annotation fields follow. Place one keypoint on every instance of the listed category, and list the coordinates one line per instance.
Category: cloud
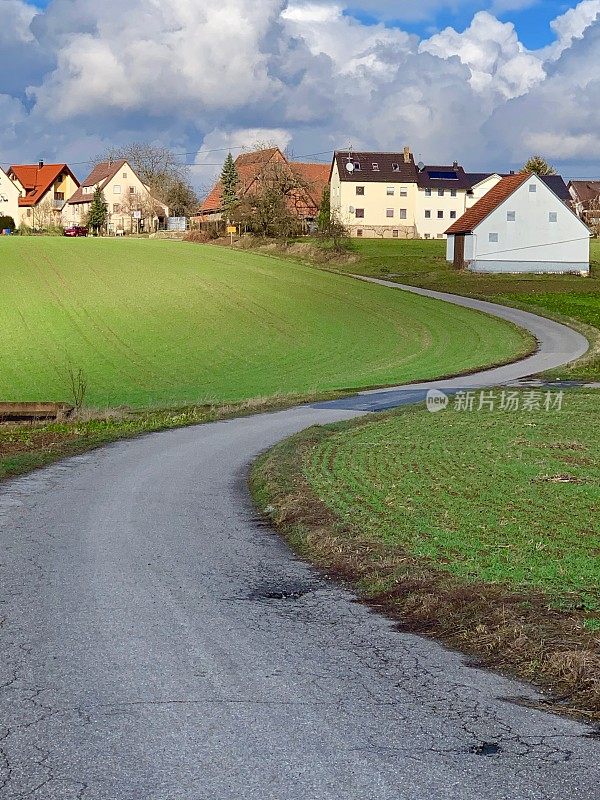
(497, 61)
(572, 25)
(560, 117)
(81, 76)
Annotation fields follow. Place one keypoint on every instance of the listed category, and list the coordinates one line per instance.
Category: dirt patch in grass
(519, 632)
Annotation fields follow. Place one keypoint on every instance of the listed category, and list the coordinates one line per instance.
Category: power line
(197, 153)
(533, 246)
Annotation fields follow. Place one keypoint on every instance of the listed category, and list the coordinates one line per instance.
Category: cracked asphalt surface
(159, 642)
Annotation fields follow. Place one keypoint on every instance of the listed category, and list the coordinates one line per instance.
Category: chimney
(407, 155)
(455, 164)
(512, 172)
(40, 164)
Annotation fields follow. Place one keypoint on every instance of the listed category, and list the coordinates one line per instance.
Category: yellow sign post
(231, 229)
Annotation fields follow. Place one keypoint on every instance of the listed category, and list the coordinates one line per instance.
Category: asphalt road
(149, 651)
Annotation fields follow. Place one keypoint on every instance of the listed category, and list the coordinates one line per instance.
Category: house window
(389, 212)
(116, 208)
(88, 189)
(403, 191)
(116, 189)
(132, 190)
(402, 213)
(390, 191)
(440, 236)
(493, 237)
(427, 192)
(511, 216)
(428, 236)
(375, 166)
(395, 167)
(359, 232)
(125, 175)
(452, 192)
(360, 190)
(395, 234)
(360, 213)
(28, 212)
(440, 215)
(428, 215)
(533, 188)
(453, 215)
(553, 216)
(440, 192)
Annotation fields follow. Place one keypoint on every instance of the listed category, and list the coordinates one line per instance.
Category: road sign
(231, 229)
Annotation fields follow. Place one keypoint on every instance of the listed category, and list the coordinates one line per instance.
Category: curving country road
(147, 650)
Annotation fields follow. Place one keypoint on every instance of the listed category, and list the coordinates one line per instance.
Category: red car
(76, 230)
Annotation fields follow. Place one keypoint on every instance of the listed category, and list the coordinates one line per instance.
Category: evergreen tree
(229, 186)
(324, 217)
(539, 166)
(98, 211)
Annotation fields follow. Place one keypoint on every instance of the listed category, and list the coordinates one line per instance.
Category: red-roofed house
(252, 168)
(44, 188)
(520, 225)
(130, 205)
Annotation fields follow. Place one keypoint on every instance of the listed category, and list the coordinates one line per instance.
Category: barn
(520, 225)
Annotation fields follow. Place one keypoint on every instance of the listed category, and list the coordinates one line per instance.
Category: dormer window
(395, 167)
(375, 166)
(357, 166)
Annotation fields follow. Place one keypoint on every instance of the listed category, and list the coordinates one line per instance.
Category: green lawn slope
(155, 323)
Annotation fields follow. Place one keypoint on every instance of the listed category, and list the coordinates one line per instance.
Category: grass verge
(480, 530)
(27, 446)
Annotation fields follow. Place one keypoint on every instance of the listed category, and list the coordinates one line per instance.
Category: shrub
(199, 237)
(7, 223)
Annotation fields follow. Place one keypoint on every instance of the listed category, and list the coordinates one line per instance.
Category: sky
(487, 83)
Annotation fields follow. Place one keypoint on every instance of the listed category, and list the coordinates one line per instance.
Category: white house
(9, 198)
(129, 203)
(520, 225)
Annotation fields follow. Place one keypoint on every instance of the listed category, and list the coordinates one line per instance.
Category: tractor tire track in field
(158, 642)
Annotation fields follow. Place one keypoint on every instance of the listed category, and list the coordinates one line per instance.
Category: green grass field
(155, 323)
(491, 496)
(423, 263)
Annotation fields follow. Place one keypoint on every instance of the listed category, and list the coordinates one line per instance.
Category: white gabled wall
(9, 198)
(532, 239)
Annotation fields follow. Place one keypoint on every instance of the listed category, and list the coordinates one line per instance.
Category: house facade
(130, 206)
(387, 195)
(520, 225)
(9, 198)
(585, 196)
(44, 190)
(261, 166)
(375, 194)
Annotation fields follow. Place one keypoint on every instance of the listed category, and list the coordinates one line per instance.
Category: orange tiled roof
(316, 177)
(483, 208)
(37, 180)
(249, 167)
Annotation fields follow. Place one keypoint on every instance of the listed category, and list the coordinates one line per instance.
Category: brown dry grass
(517, 633)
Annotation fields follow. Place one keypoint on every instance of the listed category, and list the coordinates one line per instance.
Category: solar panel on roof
(443, 176)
